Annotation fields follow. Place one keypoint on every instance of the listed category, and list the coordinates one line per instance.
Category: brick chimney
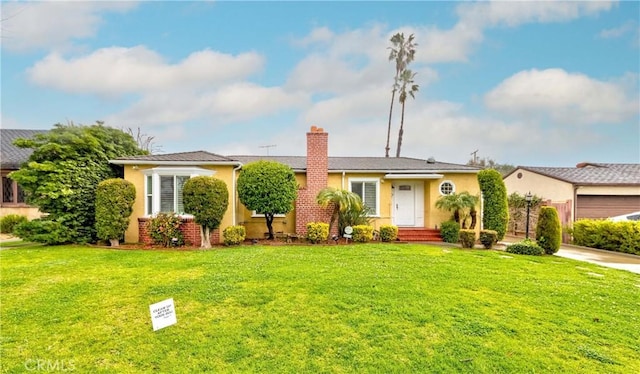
(307, 210)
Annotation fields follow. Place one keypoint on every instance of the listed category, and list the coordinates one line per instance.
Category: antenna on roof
(268, 146)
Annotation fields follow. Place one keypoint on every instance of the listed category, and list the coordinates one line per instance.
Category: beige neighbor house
(589, 190)
(13, 198)
(400, 191)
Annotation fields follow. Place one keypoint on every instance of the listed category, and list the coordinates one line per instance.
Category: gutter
(233, 193)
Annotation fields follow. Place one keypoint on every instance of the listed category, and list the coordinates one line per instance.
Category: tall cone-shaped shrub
(549, 230)
(496, 207)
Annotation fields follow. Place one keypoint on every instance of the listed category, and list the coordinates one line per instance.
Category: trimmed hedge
(114, 205)
(488, 238)
(467, 238)
(362, 233)
(43, 230)
(233, 235)
(496, 207)
(10, 221)
(450, 231)
(317, 232)
(388, 233)
(549, 230)
(623, 236)
(526, 247)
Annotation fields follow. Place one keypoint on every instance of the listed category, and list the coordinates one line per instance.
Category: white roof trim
(173, 163)
(413, 176)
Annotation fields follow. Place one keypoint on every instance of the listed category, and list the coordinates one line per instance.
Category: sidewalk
(616, 260)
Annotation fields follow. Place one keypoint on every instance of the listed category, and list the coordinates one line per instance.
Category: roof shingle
(11, 157)
(592, 173)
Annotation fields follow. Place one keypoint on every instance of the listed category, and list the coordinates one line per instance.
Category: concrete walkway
(616, 260)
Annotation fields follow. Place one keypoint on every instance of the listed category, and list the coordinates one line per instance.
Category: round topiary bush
(488, 238)
(526, 247)
(450, 231)
(467, 238)
(549, 230)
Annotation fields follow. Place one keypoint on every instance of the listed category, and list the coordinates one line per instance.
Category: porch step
(417, 234)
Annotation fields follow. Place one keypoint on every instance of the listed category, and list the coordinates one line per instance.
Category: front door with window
(407, 203)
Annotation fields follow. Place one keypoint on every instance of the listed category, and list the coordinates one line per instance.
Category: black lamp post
(528, 197)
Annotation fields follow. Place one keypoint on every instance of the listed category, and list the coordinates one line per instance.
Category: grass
(340, 309)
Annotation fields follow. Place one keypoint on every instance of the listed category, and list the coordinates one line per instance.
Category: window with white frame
(447, 188)
(163, 188)
(369, 190)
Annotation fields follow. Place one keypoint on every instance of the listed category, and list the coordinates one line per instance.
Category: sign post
(163, 314)
(347, 233)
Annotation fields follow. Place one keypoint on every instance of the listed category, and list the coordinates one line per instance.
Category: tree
(549, 230)
(402, 52)
(114, 205)
(407, 83)
(487, 163)
(496, 207)
(459, 204)
(341, 201)
(144, 141)
(269, 188)
(207, 198)
(63, 172)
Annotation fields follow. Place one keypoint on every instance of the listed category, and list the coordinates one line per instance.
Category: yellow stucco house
(401, 191)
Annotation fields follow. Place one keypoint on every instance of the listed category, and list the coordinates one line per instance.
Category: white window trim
(453, 185)
(155, 174)
(255, 214)
(377, 182)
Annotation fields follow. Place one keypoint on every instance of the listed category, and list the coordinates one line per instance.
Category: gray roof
(592, 173)
(11, 156)
(190, 157)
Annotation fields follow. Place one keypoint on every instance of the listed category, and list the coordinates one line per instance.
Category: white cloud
(53, 25)
(619, 31)
(564, 97)
(118, 70)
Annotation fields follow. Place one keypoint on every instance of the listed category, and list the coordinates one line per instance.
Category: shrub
(549, 230)
(165, 227)
(114, 204)
(10, 221)
(488, 238)
(450, 231)
(317, 232)
(206, 198)
(526, 247)
(362, 233)
(234, 235)
(614, 236)
(496, 207)
(467, 238)
(43, 231)
(388, 233)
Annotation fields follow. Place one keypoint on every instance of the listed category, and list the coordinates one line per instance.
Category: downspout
(233, 193)
(574, 209)
(343, 175)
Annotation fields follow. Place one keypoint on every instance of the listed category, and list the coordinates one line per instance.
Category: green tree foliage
(496, 208)
(114, 205)
(207, 198)
(269, 188)
(462, 205)
(487, 163)
(63, 172)
(345, 205)
(549, 230)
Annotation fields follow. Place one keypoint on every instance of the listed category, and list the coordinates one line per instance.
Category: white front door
(404, 203)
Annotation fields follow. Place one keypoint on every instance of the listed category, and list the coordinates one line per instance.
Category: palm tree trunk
(393, 96)
(401, 132)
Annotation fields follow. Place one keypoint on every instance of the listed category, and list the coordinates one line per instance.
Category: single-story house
(11, 158)
(589, 190)
(401, 191)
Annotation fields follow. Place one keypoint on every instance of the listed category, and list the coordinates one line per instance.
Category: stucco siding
(545, 187)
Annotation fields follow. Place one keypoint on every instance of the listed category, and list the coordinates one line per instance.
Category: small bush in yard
(362, 233)
(467, 238)
(317, 232)
(549, 230)
(43, 231)
(234, 235)
(488, 238)
(388, 233)
(10, 221)
(613, 236)
(526, 247)
(165, 227)
(450, 231)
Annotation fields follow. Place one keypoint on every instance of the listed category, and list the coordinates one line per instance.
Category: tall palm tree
(402, 52)
(408, 86)
(458, 203)
(341, 200)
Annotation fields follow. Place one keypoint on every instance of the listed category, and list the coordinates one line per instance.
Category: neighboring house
(589, 190)
(12, 157)
(401, 191)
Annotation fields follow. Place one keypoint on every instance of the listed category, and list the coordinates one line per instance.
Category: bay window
(164, 185)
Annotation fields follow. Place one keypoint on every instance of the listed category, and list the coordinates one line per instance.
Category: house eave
(404, 172)
(413, 176)
(174, 163)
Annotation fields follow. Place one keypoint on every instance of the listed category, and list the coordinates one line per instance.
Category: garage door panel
(602, 206)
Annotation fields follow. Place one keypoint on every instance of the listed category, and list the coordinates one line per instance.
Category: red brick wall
(307, 210)
(190, 231)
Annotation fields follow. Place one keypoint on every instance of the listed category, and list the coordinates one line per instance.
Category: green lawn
(363, 308)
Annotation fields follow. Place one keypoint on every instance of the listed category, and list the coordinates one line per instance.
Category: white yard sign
(163, 314)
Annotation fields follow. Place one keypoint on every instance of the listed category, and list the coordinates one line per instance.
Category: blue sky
(524, 83)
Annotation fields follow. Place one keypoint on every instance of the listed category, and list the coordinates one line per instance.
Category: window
(12, 193)
(447, 188)
(368, 190)
(163, 188)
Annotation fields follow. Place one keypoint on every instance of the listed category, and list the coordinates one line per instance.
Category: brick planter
(190, 231)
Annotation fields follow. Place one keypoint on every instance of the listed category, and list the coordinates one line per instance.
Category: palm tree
(402, 52)
(458, 204)
(341, 200)
(406, 77)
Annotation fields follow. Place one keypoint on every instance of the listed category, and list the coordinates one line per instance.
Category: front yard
(361, 308)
